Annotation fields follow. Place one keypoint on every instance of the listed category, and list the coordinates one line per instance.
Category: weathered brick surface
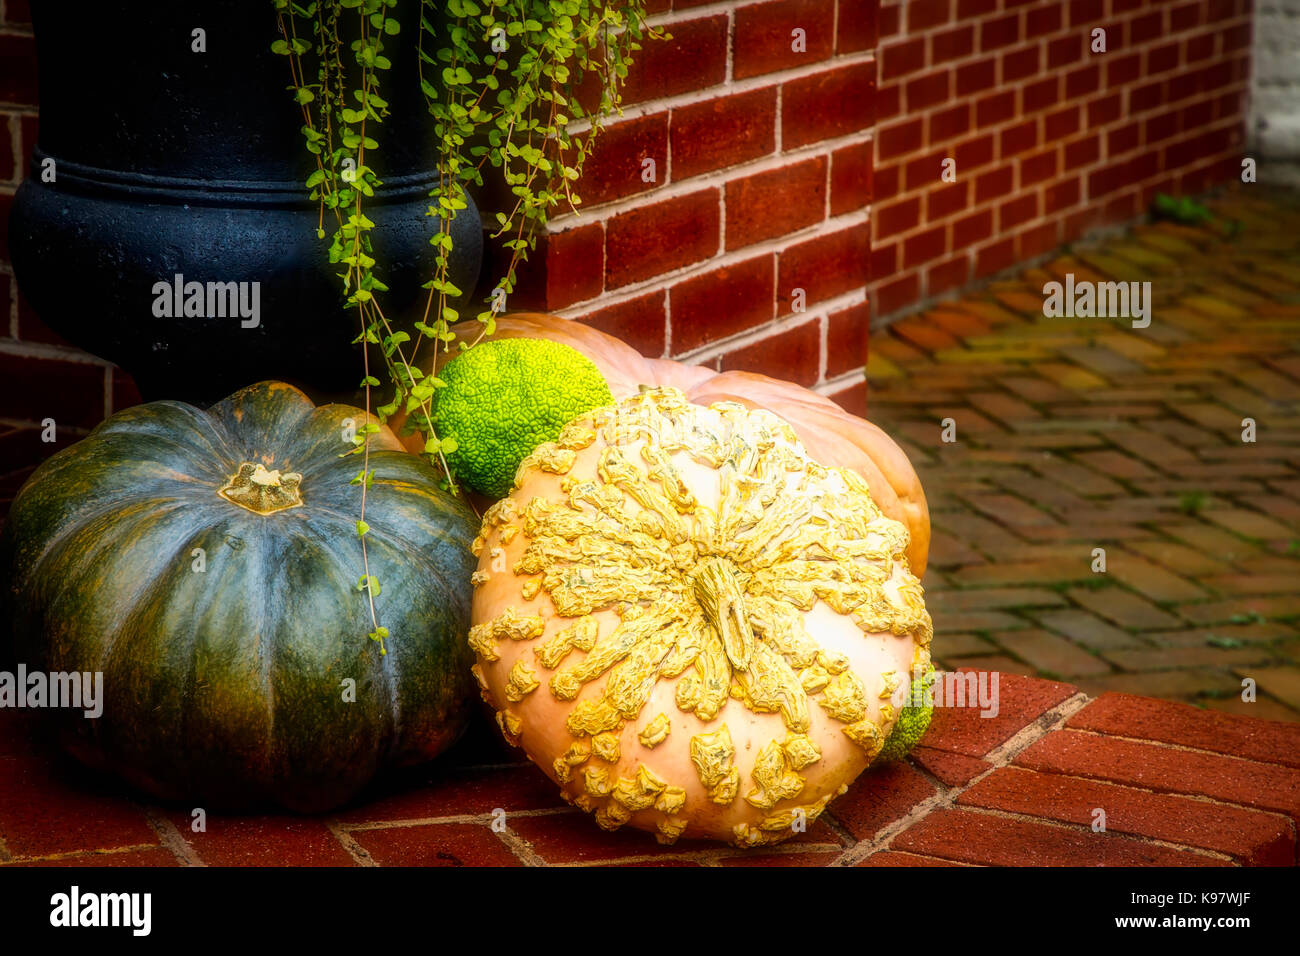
(880, 798)
(724, 131)
(142, 857)
(1020, 701)
(669, 234)
(774, 203)
(970, 837)
(758, 117)
(764, 35)
(261, 841)
(614, 168)
(696, 59)
(454, 844)
(953, 770)
(640, 322)
(894, 858)
(793, 354)
(723, 302)
(1231, 779)
(1247, 836)
(1124, 715)
(823, 858)
(1080, 434)
(70, 813)
(469, 790)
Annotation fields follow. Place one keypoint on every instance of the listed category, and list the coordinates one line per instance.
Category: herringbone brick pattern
(1074, 434)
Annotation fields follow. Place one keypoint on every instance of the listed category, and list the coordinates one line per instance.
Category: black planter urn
(176, 238)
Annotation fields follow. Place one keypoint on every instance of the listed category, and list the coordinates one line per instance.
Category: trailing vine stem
(500, 63)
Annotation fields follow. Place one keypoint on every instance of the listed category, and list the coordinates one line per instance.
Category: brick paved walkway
(1180, 787)
(1075, 434)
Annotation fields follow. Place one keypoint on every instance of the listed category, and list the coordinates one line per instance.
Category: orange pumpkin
(829, 434)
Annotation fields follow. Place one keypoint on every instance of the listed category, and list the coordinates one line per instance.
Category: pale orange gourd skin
(831, 435)
(652, 528)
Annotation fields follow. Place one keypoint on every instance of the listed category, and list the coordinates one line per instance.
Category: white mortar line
(946, 798)
(521, 848)
(779, 243)
(668, 325)
(734, 88)
(729, 71)
(838, 383)
(360, 855)
(172, 838)
(677, 188)
(823, 332)
(781, 323)
(26, 349)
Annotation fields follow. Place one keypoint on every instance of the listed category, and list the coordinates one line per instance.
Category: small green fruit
(504, 398)
(912, 722)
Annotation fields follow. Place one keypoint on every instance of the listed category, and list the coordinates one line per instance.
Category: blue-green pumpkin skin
(229, 686)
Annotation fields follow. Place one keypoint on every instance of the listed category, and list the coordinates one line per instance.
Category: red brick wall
(762, 187)
(41, 376)
(762, 183)
(764, 172)
(1050, 138)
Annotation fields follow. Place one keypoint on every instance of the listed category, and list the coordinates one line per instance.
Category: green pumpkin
(226, 669)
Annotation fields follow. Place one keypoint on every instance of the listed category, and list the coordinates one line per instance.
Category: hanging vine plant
(500, 80)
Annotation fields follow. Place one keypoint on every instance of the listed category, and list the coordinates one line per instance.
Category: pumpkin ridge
(78, 523)
(266, 411)
(313, 442)
(401, 548)
(131, 423)
(68, 466)
(383, 529)
(387, 466)
(405, 486)
(71, 524)
(187, 732)
(83, 562)
(331, 543)
(267, 633)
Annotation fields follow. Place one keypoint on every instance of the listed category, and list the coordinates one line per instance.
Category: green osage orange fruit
(913, 720)
(503, 398)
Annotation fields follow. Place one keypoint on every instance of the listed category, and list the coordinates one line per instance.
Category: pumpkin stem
(722, 601)
(260, 491)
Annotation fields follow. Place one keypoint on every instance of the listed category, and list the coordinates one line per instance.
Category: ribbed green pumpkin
(226, 686)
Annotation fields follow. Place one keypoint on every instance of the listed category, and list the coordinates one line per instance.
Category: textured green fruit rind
(912, 723)
(227, 685)
(504, 398)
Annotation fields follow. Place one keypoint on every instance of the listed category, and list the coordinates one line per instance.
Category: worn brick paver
(1126, 439)
(1247, 835)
